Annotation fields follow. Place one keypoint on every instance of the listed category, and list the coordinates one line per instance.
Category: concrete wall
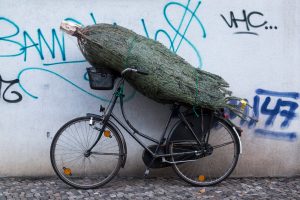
(254, 45)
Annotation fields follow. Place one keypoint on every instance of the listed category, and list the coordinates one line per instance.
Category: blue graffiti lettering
(63, 78)
(41, 47)
(288, 114)
(285, 109)
(293, 95)
(290, 136)
(7, 40)
(28, 42)
(272, 113)
(177, 30)
(61, 45)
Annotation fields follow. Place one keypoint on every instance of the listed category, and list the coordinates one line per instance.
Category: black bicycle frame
(174, 113)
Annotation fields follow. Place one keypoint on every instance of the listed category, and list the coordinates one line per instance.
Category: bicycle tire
(192, 168)
(72, 173)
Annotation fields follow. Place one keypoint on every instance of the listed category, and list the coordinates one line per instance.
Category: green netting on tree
(171, 78)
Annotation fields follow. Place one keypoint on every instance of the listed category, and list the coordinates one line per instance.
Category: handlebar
(142, 72)
(133, 70)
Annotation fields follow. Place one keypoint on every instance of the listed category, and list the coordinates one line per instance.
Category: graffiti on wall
(247, 23)
(274, 108)
(16, 96)
(37, 45)
(39, 48)
(181, 30)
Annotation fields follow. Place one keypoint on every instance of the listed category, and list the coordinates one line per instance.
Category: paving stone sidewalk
(152, 188)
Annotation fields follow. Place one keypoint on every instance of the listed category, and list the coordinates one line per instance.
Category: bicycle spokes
(76, 164)
(212, 162)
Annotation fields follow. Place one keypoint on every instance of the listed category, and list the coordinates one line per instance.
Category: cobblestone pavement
(152, 188)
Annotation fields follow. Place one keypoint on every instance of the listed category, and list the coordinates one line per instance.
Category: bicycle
(87, 152)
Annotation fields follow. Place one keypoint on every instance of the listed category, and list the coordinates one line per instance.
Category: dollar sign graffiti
(180, 30)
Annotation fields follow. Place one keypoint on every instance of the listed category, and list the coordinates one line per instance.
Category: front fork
(104, 117)
(101, 130)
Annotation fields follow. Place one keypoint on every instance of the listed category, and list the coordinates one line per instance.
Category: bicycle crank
(158, 162)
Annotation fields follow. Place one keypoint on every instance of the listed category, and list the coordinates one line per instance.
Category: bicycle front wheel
(76, 167)
(215, 159)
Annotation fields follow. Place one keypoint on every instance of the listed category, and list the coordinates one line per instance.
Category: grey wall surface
(254, 45)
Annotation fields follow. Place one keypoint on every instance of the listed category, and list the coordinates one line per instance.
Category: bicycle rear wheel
(218, 156)
(69, 156)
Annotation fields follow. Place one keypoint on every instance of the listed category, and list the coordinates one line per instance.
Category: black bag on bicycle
(101, 78)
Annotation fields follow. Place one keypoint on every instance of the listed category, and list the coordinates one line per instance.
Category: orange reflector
(201, 178)
(107, 133)
(67, 171)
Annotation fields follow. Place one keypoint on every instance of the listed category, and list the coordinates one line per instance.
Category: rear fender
(237, 135)
(238, 132)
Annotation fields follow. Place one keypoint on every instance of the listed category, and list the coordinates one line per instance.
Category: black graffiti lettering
(18, 97)
(258, 25)
(234, 20)
(247, 19)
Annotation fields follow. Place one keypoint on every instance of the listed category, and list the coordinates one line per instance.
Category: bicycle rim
(218, 163)
(73, 166)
